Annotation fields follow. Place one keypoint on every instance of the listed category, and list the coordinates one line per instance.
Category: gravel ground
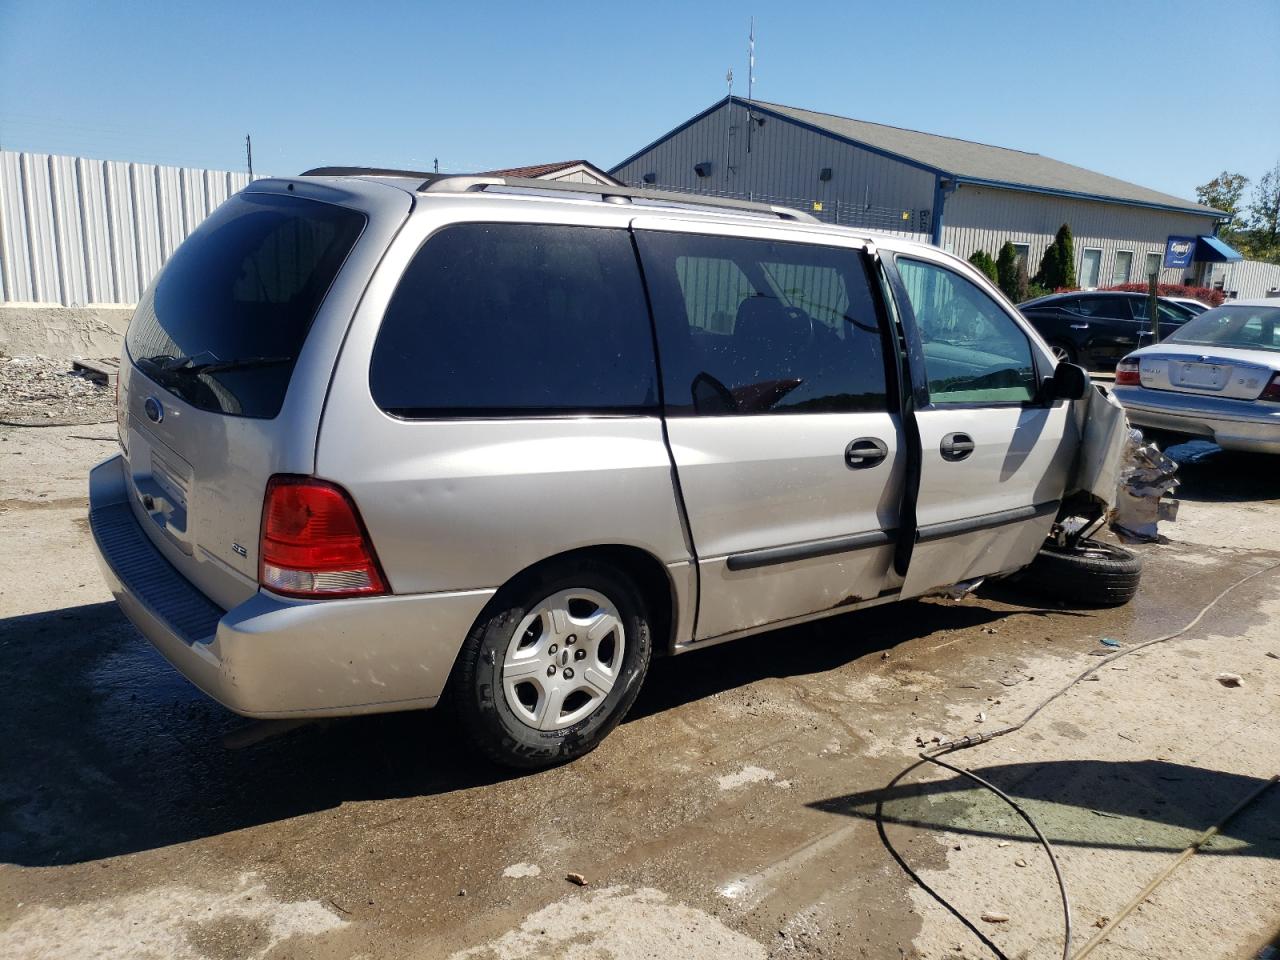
(38, 391)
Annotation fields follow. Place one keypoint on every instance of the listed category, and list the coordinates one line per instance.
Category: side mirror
(1069, 382)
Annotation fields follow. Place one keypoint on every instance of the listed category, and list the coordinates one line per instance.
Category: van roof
(425, 186)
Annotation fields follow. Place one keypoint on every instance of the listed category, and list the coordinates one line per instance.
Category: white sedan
(1218, 376)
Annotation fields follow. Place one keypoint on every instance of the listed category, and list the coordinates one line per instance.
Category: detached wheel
(553, 666)
(1092, 573)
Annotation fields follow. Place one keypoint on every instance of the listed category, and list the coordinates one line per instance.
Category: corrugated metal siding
(983, 218)
(783, 167)
(1247, 279)
(76, 231)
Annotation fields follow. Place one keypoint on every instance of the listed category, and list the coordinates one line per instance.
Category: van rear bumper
(272, 657)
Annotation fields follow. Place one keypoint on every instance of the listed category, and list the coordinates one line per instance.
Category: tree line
(1254, 226)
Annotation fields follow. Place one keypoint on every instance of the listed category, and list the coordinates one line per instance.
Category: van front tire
(552, 665)
(1088, 574)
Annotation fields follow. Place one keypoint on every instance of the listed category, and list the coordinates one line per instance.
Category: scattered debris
(1019, 862)
(982, 717)
(1192, 451)
(1003, 843)
(1101, 922)
(1012, 679)
(992, 917)
(1108, 642)
(576, 878)
(38, 391)
(1273, 655)
(1230, 680)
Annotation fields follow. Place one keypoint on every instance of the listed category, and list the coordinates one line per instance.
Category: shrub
(1047, 275)
(1206, 295)
(1058, 268)
(1066, 257)
(982, 260)
(1007, 271)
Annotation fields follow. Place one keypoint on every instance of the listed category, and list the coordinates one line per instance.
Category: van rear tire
(551, 693)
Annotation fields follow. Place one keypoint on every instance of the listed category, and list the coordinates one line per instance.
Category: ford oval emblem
(153, 409)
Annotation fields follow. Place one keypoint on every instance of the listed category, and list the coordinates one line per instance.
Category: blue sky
(1165, 94)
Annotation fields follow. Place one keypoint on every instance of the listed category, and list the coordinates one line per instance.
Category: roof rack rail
(608, 192)
(370, 172)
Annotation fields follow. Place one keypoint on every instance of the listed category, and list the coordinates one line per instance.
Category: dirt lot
(734, 815)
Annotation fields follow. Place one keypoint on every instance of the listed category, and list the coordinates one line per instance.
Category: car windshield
(1248, 328)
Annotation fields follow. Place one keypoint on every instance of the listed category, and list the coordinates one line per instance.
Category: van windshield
(223, 324)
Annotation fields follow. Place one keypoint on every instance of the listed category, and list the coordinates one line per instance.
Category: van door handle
(956, 446)
(1079, 326)
(865, 452)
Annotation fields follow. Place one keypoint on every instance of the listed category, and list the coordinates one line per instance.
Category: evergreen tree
(1022, 284)
(1007, 271)
(982, 260)
(1066, 258)
(1050, 265)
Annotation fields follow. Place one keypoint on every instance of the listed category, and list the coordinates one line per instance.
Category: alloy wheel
(563, 659)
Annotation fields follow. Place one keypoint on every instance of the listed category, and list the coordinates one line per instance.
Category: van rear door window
(227, 317)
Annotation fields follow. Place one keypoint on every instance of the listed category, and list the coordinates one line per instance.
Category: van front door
(994, 461)
(788, 453)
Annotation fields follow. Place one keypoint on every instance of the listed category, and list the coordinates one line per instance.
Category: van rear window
(224, 322)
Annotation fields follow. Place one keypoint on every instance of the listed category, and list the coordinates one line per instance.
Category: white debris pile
(1147, 479)
(39, 391)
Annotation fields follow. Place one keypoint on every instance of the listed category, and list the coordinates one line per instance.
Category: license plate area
(1202, 376)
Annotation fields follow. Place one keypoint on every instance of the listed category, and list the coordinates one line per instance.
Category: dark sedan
(1097, 329)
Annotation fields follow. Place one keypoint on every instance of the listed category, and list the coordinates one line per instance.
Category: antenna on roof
(751, 78)
(728, 119)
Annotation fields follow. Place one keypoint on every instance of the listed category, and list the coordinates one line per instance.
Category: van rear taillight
(1272, 391)
(1127, 373)
(313, 542)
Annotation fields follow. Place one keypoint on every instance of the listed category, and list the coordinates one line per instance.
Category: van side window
(517, 319)
(973, 351)
(759, 326)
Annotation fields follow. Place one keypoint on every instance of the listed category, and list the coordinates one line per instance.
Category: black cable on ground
(963, 743)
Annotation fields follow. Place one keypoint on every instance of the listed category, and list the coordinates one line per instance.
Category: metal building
(76, 232)
(960, 195)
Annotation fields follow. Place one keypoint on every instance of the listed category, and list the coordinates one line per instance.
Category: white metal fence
(75, 231)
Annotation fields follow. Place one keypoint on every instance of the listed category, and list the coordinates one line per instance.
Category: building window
(1153, 265)
(1123, 268)
(1022, 251)
(1090, 267)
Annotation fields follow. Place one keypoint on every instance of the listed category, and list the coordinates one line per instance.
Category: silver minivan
(389, 439)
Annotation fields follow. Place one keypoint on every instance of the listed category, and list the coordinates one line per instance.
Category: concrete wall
(33, 331)
(983, 218)
(77, 232)
(783, 167)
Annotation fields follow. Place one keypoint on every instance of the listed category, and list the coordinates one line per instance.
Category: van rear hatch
(228, 359)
